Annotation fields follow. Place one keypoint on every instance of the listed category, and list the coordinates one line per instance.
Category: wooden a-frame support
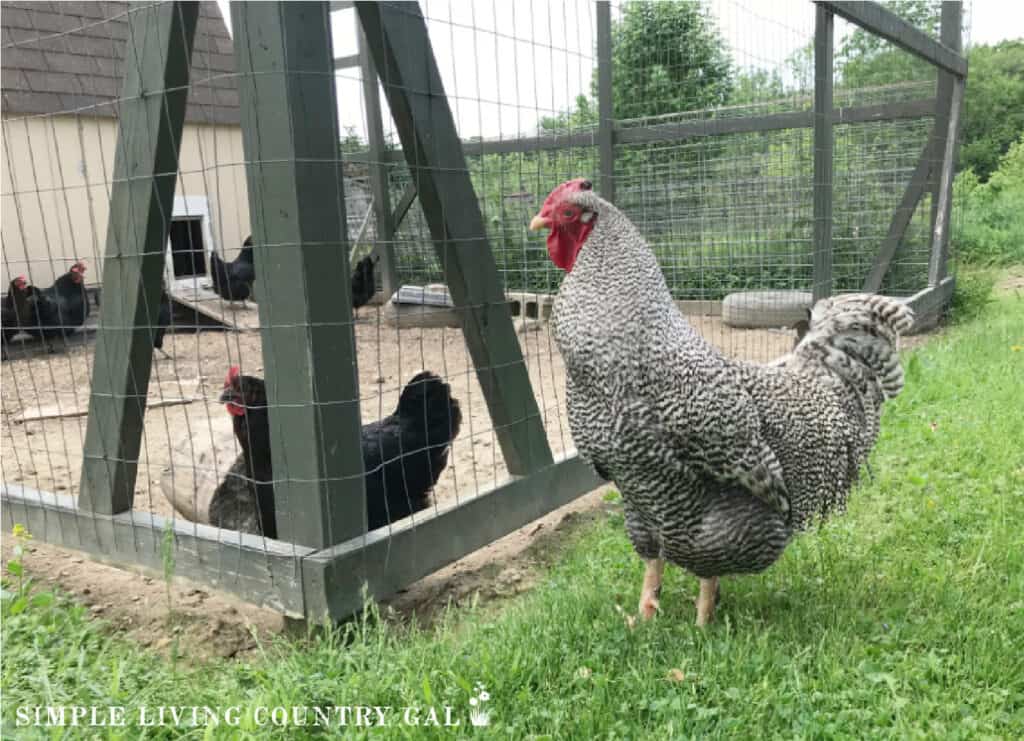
(396, 36)
(152, 114)
(294, 173)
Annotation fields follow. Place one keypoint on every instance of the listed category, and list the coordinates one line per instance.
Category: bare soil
(202, 623)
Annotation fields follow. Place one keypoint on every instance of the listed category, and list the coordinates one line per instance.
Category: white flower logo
(477, 715)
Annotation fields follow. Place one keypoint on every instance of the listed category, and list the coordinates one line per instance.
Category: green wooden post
(152, 113)
(880, 21)
(404, 204)
(943, 148)
(385, 248)
(605, 109)
(297, 206)
(397, 37)
(900, 221)
(823, 33)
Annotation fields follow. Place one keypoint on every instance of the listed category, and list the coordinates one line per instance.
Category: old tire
(757, 309)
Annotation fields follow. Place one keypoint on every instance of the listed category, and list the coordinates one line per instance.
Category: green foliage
(973, 293)
(756, 85)
(582, 116)
(667, 57)
(733, 212)
(351, 141)
(991, 229)
(17, 595)
(865, 60)
(994, 109)
(900, 619)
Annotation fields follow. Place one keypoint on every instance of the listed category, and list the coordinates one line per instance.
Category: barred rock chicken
(403, 454)
(719, 462)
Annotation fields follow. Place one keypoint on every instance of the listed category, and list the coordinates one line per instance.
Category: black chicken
(63, 307)
(403, 454)
(245, 499)
(163, 319)
(363, 282)
(18, 310)
(233, 281)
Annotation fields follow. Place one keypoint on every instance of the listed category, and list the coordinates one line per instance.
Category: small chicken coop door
(188, 253)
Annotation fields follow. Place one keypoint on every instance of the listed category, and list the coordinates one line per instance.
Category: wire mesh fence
(243, 412)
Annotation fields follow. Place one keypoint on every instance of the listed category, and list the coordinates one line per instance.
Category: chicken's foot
(651, 591)
(706, 601)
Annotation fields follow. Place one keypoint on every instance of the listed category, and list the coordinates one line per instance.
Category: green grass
(902, 619)
(991, 228)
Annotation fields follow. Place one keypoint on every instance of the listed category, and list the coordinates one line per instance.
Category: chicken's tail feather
(857, 337)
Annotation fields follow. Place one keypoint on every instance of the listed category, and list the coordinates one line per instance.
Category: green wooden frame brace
(396, 36)
(152, 113)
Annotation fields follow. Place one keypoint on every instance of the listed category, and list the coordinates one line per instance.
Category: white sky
(507, 63)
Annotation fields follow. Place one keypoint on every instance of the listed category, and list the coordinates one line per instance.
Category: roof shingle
(68, 57)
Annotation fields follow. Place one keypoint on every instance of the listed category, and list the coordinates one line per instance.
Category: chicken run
(712, 323)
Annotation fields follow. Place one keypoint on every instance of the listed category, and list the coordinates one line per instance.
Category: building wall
(56, 173)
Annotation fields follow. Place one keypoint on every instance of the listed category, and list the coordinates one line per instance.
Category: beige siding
(56, 174)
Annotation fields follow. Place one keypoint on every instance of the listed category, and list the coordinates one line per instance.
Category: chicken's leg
(706, 601)
(653, 569)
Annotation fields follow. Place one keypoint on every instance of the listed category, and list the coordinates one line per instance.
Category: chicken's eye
(568, 213)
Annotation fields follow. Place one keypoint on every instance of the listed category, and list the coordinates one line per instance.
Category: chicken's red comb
(232, 377)
(574, 184)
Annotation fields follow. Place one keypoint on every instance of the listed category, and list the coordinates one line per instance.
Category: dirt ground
(47, 455)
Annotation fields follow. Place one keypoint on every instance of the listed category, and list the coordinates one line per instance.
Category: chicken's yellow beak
(540, 222)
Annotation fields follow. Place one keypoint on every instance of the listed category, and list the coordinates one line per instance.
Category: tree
(583, 115)
(757, 85)
(667, 57)
(994, 109)
(866, 60)
(994, 106)
(351, 141)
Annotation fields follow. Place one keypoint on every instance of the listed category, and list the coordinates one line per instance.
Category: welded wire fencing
(275, 303)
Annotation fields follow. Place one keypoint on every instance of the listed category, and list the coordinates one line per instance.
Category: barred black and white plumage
(719, 461)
